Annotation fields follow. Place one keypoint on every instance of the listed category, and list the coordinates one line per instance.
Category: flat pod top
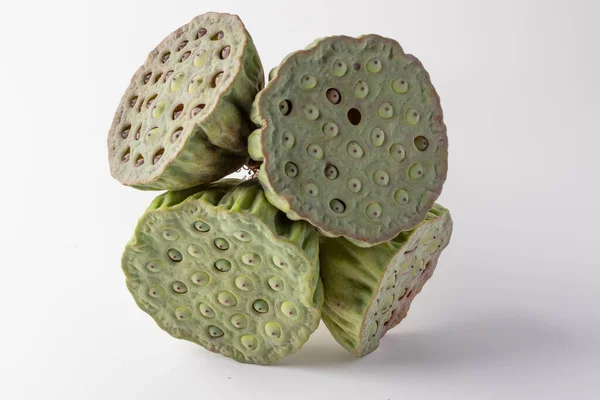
(352, 138)
(176, 91)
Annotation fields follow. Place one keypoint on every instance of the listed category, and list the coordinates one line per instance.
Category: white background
(513, 311)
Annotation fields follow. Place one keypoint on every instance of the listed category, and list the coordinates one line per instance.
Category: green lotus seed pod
(183, 120)
(368, 291)
(367, 123)
(255, 299)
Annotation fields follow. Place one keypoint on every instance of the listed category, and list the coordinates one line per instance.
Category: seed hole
(132, 101)
(285, 107)
(165, 57)
(157, 156)
(421, 143)
(151, 100)
(216, 79)
(218, 36)
(225, 52)
(182, 45)
(176, 134)
(334, 96)
(201, 33)
(196, 110)
(139, 161)
(337, 206)
(168, 74)
(138, 133)
(356, 66)
(157, 78)
(147, 77)
(125, 132)
(185, 56)
(331, 172)
(126, 155)
(354, 116)
(177, 111)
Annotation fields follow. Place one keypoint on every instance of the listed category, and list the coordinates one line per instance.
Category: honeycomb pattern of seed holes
(287, 140)
(154, 265)
(308, 81)
(249, 342)
(315, 151)
(416, 171)
(339, 68)
(354, 185)
(333, 95)
(290, 169)
(397, 152)
(182, 313)
(133, 101)
(156, 292)
(273, 330)
(373, 211)
(361, 90)
(331, 129)
(331, 172)
(353, 150)
(222, 265)
(239, 321)
(244, 283)
(412, 116)
(260, 306)
(215, 331)
(421, 143)
(401, 197)
(151, 100)
(200, 278)
(275, 283)
(224, 53)
(165, 57)
(251, 259)
(185, 56)
(152, 135)
(177, 81)
(289, 309)
(197, 109)
(243, 236)
(226, 298)
(170, 234)
(218, 36)
(195, 84)
(310, 112)
(385, 110)
(285, 107)
(377, 137)
(354, 116)
(279, 262)
(179, 287)
(157, 156)
(146, 78)
(374, 65)
(311, 189)
(381, 178)
(206, 310)
(174, 255)
(157, 77)
(200, 58)
(182, 45)
(195, 250)
(337, 206)
(201, 226)
(400, 86)
(139, 161)
(201, 32)
(177, 111)
(126, 155)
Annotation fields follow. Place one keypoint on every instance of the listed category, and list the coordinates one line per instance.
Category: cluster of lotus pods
(349, 148)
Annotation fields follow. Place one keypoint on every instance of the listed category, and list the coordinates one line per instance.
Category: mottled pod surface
(368, 291)
(220, 266)
(352, 138)
(184, 119)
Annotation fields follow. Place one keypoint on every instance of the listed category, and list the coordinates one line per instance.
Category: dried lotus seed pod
(352, 138)
(368, 291)
(183, 120)
(218, 265)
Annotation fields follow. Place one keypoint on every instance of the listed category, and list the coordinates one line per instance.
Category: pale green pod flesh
(360, 120)
(234, 299)
(183, 120)
(368, 291)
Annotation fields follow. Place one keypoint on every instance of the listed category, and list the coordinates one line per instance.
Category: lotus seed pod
(220, 266)
(183, 120)
(343, 126)
(368, 291)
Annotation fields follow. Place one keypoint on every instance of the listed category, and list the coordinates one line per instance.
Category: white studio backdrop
(513, 308)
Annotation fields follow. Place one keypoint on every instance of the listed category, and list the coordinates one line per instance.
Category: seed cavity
(157, 156)
(132, 101)
(177, 111)
(333, 95)
(354, 150)
(249, 342)
(239, 321)
(243, 236)
(150, 101)
(170, 234)
(421, 143)
(354, 185)
(139, 161)
(400, 86)
(339, 68)
(125, 132)
(385, 111)
(138, 133)
(179, 287)
(200, 58)
(287, 139)
(331, 172)
(310, 112)
(157, 292)
(244, 283)
(315, 151)
(401, 197)
(337, 206)
(215, 331)
(260, 306)
(354, 116)
(216, 79)
(251, 259)
(373, 211)
(200, 278)
(185, 56)
(416, 171)
(288, 309)
(174, 255)
(225, 51)
(195, 250)
(275, 283)
(279, 262)
(273, 330)
(201, 33)
(412, 116)
(222, 265)
(182, 313)
(381, 178)
(182, 45)
(147, 77)
(196, 110)
(361, 90)
(330, 129)
(285, 107)
(308, 82)
(226, 298)
(218, 36)
(126, 155)
(291, 169)
(206, 310)
(397, 152)
(168, 74)
(154, 265)
(311, 189)
(374, 65)
(165, 57)
(201, 226)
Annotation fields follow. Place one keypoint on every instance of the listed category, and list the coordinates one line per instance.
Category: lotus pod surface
(352, 138)
(219, 266)
(368, 291)
(184, 119)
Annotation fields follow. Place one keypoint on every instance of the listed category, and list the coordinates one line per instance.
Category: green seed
(200, 58)
(308, 82)
(377, 137)
(337, 206)
(374, 65)
(339, 68)
(285, 107)
(276, 283)
(421, 143)
(374, 210)
(260, 306)
(287, 140)
(215, 331)
(159, 109)
(315, 151)
(385, 111)
(244, 283)
(223, 265)
(154, 265)
(179, 287)
(279, 262)
(397, 152)
(176, 82)
(416, 171)
(249, 342)
(311, 112)
(381, 178)
(361, 90)
(331, 129)
(331, 172)
(251, 259)
(200, 278)
(412, 116)
(157, 292)
(401, 197)
(288, 309)
(400, 86)
(201, 226)
(354, 185)
(354, 150)
(206, 310)
(226, 298)
(273, 330)
(182, 313)
(311, 189)
(243, 236)
(170, 234)
(291, 169)
(239, 321)
(221, 244)
(195, 250)
(175, 255)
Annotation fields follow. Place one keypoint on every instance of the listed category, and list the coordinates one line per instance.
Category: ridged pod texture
(219, 266)
(368, 291)
(352, 138)
(184, 119)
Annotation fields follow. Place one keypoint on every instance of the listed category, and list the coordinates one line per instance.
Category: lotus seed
(195, 84)
(217, 79)
(174, 255)
(311, 189)
(331, 172)
(125, 132)
(385, 111)
(337, 206)
(287, 140)
(206, 310)
(201, 32)
(334, 96)
(157, 292)
(126, 156)
(177, 111)
(242, 236)
(311, 112)
(330, 129)
(401, 197)
(182, 313)
(416, 171)
(397, 152)
(154, 265)
(291, 169)
(196, 110)
(195, 250)
(308, 82)
(315, 151)
(361, 90)
(279, 262)
(138, 133)
(226, 298)
(285, 107)
(157, 156)
(179, 287)
(244, 283)
(250, 342)
(200, 278)
(339, 68)
(152, 135)
(139, 161)
(400, 86)
(223, 265)
(201, 226)
(225, 52)
(176, 81)
(381, 178)
(354, 150)
(260, 306)
(215, 331)
(377, 137)
(275, 283)
(373, 210)
(200, 58)
(251, 259)
(182, 45)
(374, 65)
(273, 330)
(147, 77)
(288, 309)
(239, 321)
(170, 234)
(354, 116)
(354, 185)
(412, 116)
(421, 143)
